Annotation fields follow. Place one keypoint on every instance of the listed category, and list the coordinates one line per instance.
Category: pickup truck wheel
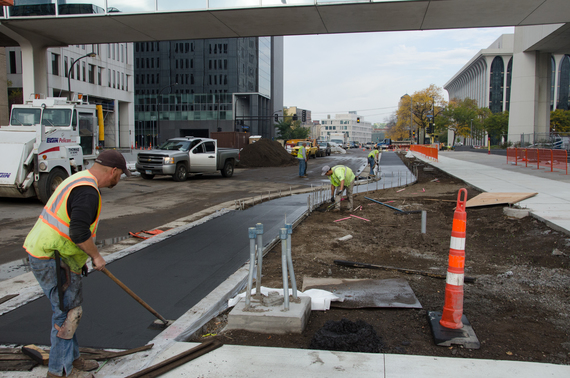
(181, 173)
(228, 169)
(49, 182)
(147, 177)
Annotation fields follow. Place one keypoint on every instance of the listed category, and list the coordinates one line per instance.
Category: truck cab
(46, 141)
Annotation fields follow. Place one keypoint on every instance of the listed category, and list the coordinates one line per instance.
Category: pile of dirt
(265, 153)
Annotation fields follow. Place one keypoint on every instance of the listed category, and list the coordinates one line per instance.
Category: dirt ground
(519, 305)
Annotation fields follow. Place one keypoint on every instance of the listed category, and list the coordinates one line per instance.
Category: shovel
(165, 323)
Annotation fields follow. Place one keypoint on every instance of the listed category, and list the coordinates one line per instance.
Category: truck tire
(181, 173)
(147, 177)
(228, 169)
(49, 182)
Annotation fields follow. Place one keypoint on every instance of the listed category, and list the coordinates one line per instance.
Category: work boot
(85, 365)
(305, 176)
(75, 373)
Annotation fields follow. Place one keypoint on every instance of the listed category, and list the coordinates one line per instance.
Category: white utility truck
(46, 141)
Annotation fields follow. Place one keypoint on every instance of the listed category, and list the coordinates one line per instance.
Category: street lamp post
(90, 55)
(158, 111)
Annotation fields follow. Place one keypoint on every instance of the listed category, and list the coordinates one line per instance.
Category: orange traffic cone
(453, 306)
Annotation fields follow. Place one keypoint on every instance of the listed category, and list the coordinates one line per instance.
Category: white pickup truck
(179, 157)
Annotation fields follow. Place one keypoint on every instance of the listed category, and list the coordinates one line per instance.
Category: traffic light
(276, 118)
(357, 119)
(304, 116)
(414, 133)
(430, 128)
(294, 117)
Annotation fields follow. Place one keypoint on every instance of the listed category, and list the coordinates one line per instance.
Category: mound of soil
(265, 153)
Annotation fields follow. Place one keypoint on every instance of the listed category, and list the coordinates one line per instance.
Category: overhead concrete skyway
(247, 18)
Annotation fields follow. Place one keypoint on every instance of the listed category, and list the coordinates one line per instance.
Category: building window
(99, 76)
(78, 71)
(496, 85)
(84, 71)
(123, 81)
(13, 68)
(127, 82)
(71, 72)
(91, 74)
(65, 67)
(114, 77)
(55, 64)
(109, 76)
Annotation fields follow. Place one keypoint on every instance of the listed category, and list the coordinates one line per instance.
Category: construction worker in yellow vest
(341, 178)
(373, 159)
(59, 245)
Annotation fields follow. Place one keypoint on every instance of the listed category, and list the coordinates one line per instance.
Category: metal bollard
(424, 221)
(283, 237)
(289, 228)
(251, 233)
(259, 232)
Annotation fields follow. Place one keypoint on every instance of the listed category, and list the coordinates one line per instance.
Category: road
(136, 204)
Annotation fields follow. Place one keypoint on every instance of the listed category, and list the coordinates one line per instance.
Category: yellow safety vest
(341, 172)
(51, 231)
(300, 153)
(373, 154)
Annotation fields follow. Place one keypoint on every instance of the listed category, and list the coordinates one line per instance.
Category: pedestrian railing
(428, 151)
(539, 157)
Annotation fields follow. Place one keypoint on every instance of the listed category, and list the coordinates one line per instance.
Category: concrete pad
(270, 319)
(516, 213)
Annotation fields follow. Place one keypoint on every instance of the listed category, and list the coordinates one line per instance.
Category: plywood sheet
(489, 199)
(366, 293)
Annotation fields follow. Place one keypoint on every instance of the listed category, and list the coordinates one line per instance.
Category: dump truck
(46, 141)
(179, 157)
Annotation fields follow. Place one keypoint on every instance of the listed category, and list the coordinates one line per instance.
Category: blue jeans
(302, 167)
(371, 162)
(63, 352)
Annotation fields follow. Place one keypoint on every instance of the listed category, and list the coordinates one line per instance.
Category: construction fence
(537, 157)
(429, 151)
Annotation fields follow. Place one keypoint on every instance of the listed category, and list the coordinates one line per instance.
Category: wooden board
(489, 199)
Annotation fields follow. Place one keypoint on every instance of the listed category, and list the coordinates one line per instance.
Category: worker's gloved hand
(332, 199)
(84, 270)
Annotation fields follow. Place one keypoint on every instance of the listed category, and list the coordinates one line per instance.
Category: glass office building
(195, 87)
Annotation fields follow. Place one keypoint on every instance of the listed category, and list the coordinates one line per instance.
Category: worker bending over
(373, 159)
(59, 245)
(341, 178)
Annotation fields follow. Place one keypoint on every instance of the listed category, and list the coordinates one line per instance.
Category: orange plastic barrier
(427, 150)
(453, 306)
(547, 158)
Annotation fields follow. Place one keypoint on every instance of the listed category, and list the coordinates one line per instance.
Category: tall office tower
(195, 87)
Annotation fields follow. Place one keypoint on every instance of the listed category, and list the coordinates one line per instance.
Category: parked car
(324, 148)
(178, 157)
(369, 145)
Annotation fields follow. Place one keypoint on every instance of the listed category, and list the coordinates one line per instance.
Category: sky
(369, 72)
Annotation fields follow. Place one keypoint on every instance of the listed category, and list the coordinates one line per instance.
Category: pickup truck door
(203, 158)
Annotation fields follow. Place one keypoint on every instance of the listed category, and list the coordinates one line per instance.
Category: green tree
(560, 121)
(497, 125)
(459, 117)
(289, 129)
